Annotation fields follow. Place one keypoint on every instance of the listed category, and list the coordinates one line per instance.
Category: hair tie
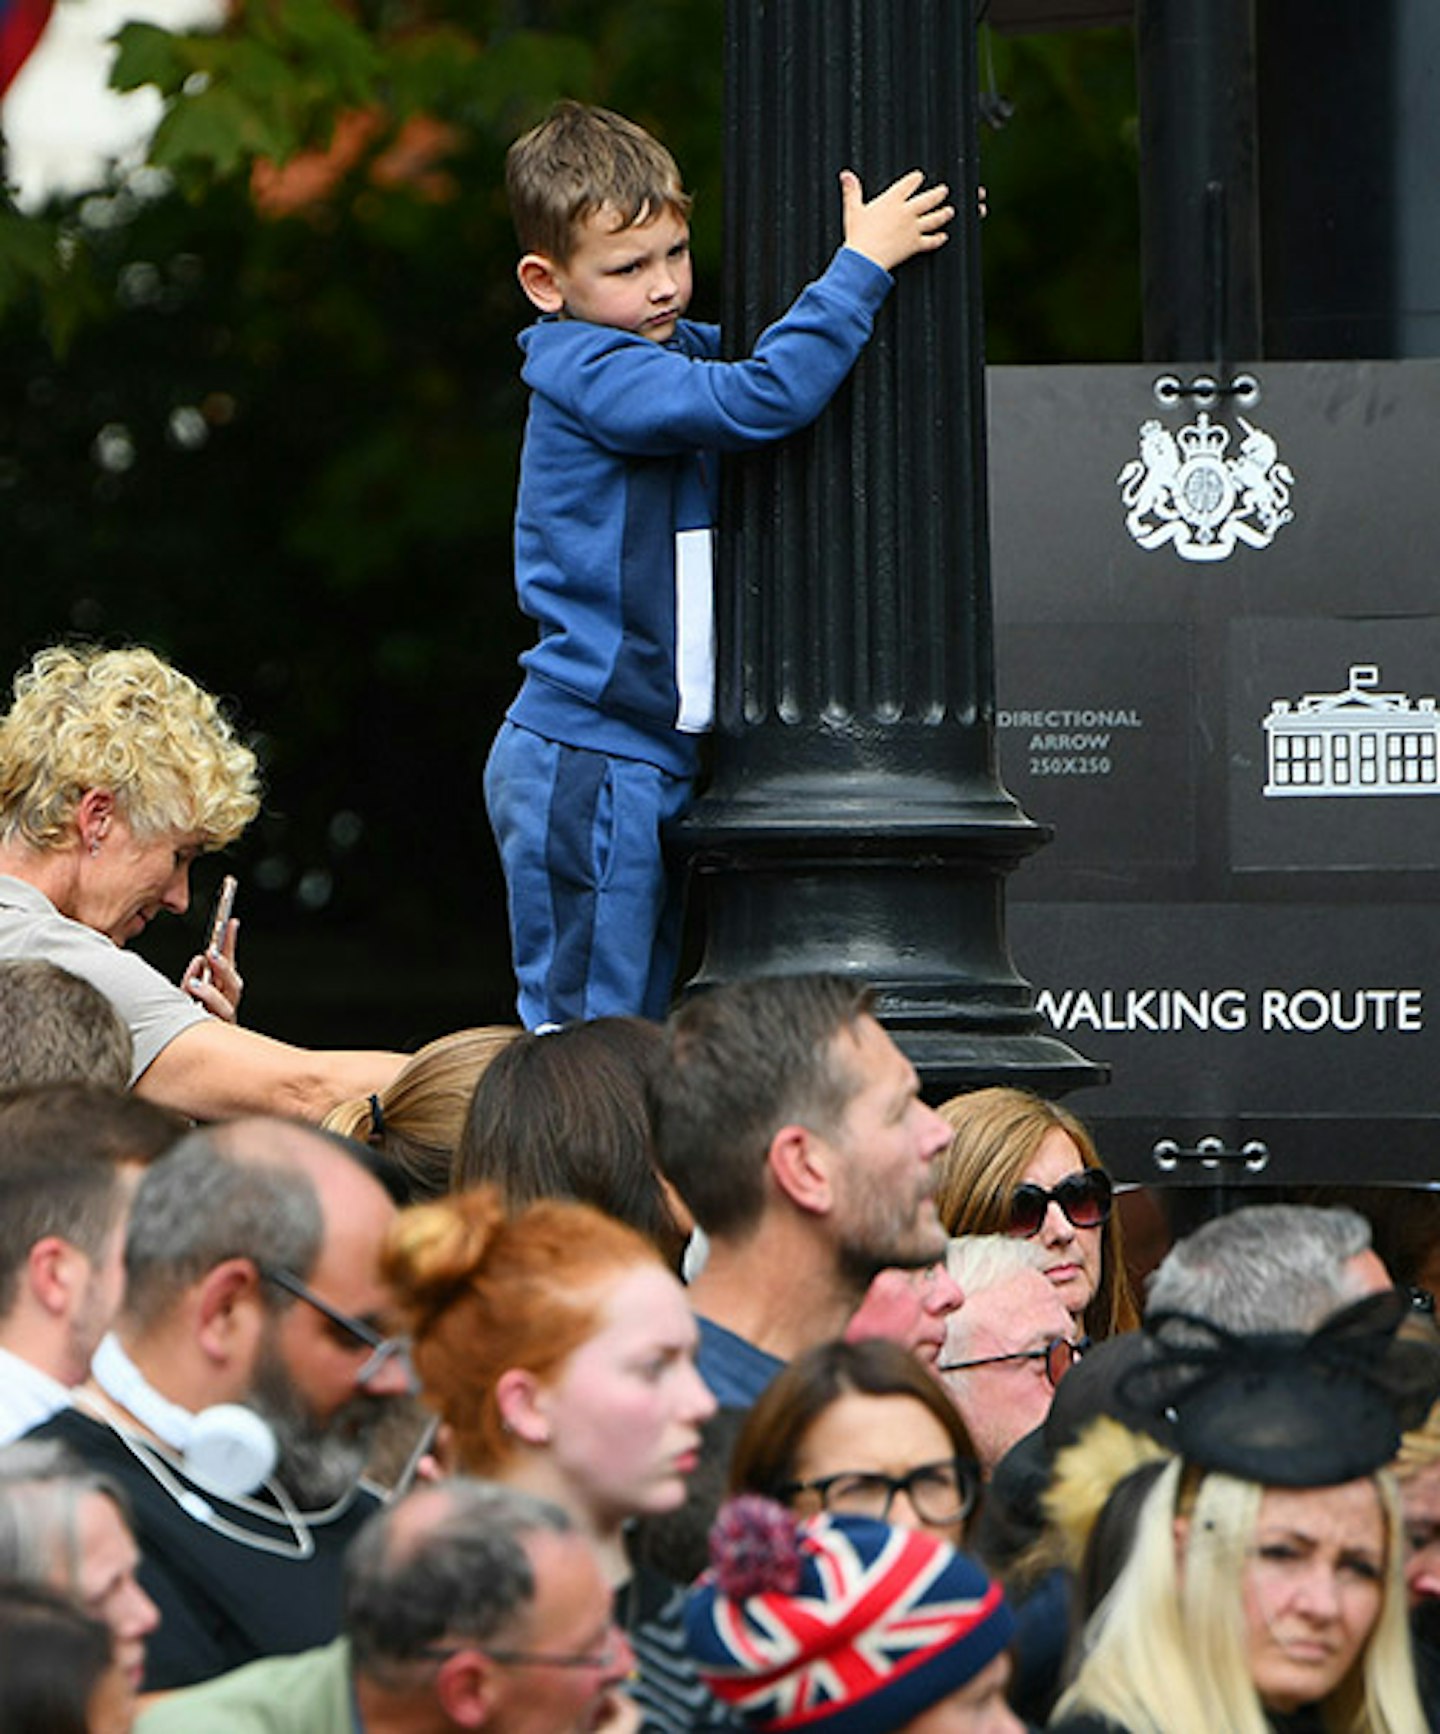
(377, 1117)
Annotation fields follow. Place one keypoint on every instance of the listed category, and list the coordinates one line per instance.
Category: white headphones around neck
(227, 1449)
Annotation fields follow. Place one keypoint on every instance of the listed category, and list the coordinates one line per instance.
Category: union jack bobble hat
(840, 1623)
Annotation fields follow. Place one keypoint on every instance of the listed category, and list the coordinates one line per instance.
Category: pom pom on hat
(755, 1549)
(841, 1624)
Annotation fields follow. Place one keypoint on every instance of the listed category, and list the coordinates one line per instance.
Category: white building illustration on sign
(1357, 742)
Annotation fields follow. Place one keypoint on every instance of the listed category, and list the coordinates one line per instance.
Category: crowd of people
(632, 1375)
(670, 1377)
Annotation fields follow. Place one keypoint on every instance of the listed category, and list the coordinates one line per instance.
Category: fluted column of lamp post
(855, 818)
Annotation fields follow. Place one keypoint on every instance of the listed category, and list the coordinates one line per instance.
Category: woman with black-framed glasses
(1023, 1166)
(860, 1429)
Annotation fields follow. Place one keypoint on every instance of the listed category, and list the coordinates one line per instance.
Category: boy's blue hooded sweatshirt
(617, 499)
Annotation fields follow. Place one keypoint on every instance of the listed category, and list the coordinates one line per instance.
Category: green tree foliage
(1062, 247)
(281, 447)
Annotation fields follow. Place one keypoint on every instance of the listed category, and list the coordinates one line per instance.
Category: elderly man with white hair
(1008, 1346)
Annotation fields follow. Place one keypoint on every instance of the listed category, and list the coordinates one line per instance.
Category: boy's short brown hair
(577, 160)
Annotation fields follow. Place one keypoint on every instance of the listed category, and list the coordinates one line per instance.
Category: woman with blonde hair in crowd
(116, 773)
(1264, 1589)
(417, 1119)
(558, 1350)
(1023, 1166)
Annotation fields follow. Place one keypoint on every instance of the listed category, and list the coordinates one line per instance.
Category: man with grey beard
(237, 1397)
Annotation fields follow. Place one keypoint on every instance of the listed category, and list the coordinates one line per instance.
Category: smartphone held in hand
(220, 913)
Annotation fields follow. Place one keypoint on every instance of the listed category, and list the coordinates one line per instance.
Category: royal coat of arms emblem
(1184, 490)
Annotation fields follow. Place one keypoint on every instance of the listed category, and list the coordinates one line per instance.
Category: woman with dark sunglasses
(1020, 1165)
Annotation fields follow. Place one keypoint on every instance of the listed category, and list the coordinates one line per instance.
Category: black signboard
(1218, 677)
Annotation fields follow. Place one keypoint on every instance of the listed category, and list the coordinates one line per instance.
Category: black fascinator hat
(1287, 1409)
